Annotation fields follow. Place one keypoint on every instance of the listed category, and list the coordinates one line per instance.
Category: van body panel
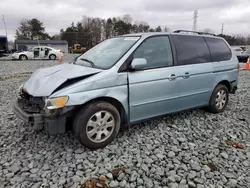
(151, 93)
(195, 90)
(100, 85)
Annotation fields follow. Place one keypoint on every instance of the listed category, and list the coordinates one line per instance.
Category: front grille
(31, 104)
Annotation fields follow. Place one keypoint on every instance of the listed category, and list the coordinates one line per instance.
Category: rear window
(191, 50)
(219, 49)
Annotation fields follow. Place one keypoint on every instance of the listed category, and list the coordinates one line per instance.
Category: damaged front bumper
(52, 123)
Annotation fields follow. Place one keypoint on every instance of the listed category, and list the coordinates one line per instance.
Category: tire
(83, 127)
(52, 57)
(217, 105)
(23, 58)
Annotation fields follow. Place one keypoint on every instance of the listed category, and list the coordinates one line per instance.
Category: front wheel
(23, 58)
(97, 124)
(219, 99)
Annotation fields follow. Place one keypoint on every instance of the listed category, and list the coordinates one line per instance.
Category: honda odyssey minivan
(129, 79)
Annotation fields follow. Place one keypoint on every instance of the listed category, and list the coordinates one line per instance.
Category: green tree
(23, 32)
(120, 27)
(158, 29)
(31, 28)
(70, 34)
(108, 27)
(235, 40)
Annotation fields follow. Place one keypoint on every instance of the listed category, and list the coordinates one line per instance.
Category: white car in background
(237, 50)
(38, 52)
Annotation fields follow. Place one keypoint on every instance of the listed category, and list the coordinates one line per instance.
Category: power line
(195, 20)
(5, 26)
(222, 28)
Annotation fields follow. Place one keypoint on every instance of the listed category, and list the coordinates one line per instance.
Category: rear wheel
(219, 99)
(23, 57)
(52, 57)
(97, 124)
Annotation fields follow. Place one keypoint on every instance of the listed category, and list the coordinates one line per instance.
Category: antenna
(5, 26)
(222, 28)
(195, 20)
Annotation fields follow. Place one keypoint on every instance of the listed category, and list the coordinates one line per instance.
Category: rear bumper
(52, 125)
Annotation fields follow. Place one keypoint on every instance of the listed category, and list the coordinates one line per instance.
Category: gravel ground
(188, 149)
(15, 67)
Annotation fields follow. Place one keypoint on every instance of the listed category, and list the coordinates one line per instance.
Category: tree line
(91, 30)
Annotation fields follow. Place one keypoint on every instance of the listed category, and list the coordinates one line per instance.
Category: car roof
(43, 47)
(148, 34)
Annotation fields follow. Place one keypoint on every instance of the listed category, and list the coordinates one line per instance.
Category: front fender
(111, 86)
(120, 93)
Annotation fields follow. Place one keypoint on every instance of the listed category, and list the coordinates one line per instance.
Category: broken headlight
(55, 103)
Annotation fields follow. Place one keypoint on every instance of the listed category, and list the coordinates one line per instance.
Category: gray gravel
(175, 151)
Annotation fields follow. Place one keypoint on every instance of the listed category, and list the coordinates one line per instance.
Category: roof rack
(199, 33)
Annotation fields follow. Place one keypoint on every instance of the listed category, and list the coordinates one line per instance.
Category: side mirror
(138, 63)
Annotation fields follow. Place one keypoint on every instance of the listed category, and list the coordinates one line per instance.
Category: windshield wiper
(90, 62)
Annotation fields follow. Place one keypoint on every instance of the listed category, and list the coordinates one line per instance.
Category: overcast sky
(177, 14)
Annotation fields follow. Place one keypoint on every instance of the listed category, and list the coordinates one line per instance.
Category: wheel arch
(226, 83)
(52, 54)
(222, 82)
(23, 55)
(119, 106)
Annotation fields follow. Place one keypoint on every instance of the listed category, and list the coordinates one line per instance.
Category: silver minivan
(128, 79)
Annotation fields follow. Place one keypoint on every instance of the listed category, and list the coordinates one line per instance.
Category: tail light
(238, 67)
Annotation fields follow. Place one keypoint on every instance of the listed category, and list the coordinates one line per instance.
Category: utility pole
(195, 20)
(222, 28)
(5, 26)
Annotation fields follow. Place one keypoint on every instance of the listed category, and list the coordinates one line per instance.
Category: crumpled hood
(44, 81)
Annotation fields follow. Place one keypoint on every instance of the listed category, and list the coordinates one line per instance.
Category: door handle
(186, 75)
(172, 77)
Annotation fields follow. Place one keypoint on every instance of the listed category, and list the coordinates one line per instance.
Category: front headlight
(57, 102)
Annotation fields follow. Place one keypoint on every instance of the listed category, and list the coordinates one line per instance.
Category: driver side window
(157, 51)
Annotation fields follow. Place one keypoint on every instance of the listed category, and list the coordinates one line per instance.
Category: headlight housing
(57, 102)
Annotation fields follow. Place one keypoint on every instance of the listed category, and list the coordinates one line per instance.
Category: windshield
(107, 53)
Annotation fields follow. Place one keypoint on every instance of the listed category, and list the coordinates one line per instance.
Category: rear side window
(219, 49)
(191, 49)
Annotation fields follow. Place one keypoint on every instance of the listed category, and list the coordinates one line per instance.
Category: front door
(153, 90)
(36, 52)
(42, 53)
(46, 52)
